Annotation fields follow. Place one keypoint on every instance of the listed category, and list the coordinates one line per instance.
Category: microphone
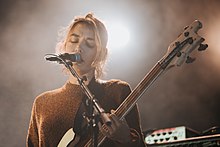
(66, 56)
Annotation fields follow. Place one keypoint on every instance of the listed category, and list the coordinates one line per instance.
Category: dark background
(184, 96)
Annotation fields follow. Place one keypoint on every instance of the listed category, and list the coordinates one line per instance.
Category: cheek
(91, 56)
(93, 53)
(70, 47)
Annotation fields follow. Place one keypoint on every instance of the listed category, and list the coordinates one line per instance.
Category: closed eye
(90, 42)
(74, 38)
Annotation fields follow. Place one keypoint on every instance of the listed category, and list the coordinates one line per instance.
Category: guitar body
(70, 139)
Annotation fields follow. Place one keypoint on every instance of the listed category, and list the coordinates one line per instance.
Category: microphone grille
(77, 57)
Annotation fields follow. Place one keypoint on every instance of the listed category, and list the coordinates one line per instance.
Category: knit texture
(54, 113)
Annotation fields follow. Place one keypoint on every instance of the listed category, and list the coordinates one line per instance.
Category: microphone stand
(95, 110)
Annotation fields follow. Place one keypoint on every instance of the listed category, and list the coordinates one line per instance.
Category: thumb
(113, 111)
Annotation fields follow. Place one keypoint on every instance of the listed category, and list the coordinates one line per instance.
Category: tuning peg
(202, 39)
(186, 34)
(186, 27)
(178, 54)
(190, 40)
(202, 47)
(177, 43)
(190, 59)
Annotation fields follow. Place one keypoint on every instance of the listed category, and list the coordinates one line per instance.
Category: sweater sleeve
(32, 136)
(133, 121)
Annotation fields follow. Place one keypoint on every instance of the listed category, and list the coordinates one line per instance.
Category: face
(81, 39)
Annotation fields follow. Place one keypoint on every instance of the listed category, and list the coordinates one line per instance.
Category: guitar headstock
(185, 44)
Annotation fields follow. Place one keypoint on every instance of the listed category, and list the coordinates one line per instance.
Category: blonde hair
(101, 38)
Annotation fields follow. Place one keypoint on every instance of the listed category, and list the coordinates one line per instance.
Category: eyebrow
(76, 35)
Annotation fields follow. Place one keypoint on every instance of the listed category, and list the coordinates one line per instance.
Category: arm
(133, 121)
(124, 132)
(32, 136)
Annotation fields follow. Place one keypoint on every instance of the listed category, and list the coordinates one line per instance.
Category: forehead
(82, 28)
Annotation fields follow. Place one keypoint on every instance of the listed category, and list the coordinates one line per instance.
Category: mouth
(81, 61)
(78, 60)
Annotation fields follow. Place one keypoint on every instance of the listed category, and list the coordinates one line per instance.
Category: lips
(81, 60)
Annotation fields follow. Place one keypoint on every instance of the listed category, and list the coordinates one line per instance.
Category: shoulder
(46, 96)
(116, 85)
(114, 82)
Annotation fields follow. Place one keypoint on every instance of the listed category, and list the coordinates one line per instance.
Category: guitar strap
(80, 124)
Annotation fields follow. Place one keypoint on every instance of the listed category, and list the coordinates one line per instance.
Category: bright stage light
(118, 35)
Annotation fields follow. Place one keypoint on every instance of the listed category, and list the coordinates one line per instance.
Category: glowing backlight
(118, 35)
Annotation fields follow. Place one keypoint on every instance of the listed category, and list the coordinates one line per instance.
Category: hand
(118, 130)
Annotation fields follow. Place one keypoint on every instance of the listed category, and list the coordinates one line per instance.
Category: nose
(79, 46)
(78, 49)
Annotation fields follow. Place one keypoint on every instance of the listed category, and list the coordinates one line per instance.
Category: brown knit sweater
(54, 113)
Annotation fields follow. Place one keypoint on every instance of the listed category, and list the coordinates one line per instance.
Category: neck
(88, 76)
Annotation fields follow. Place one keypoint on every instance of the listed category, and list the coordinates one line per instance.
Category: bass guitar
(178, 53)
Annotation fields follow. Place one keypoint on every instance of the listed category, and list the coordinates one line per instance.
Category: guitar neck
(139, 90)
(134, 96)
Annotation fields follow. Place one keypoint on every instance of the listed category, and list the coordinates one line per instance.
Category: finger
(112, 111)
(115, 119)
(105, 130)
(113, 126)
